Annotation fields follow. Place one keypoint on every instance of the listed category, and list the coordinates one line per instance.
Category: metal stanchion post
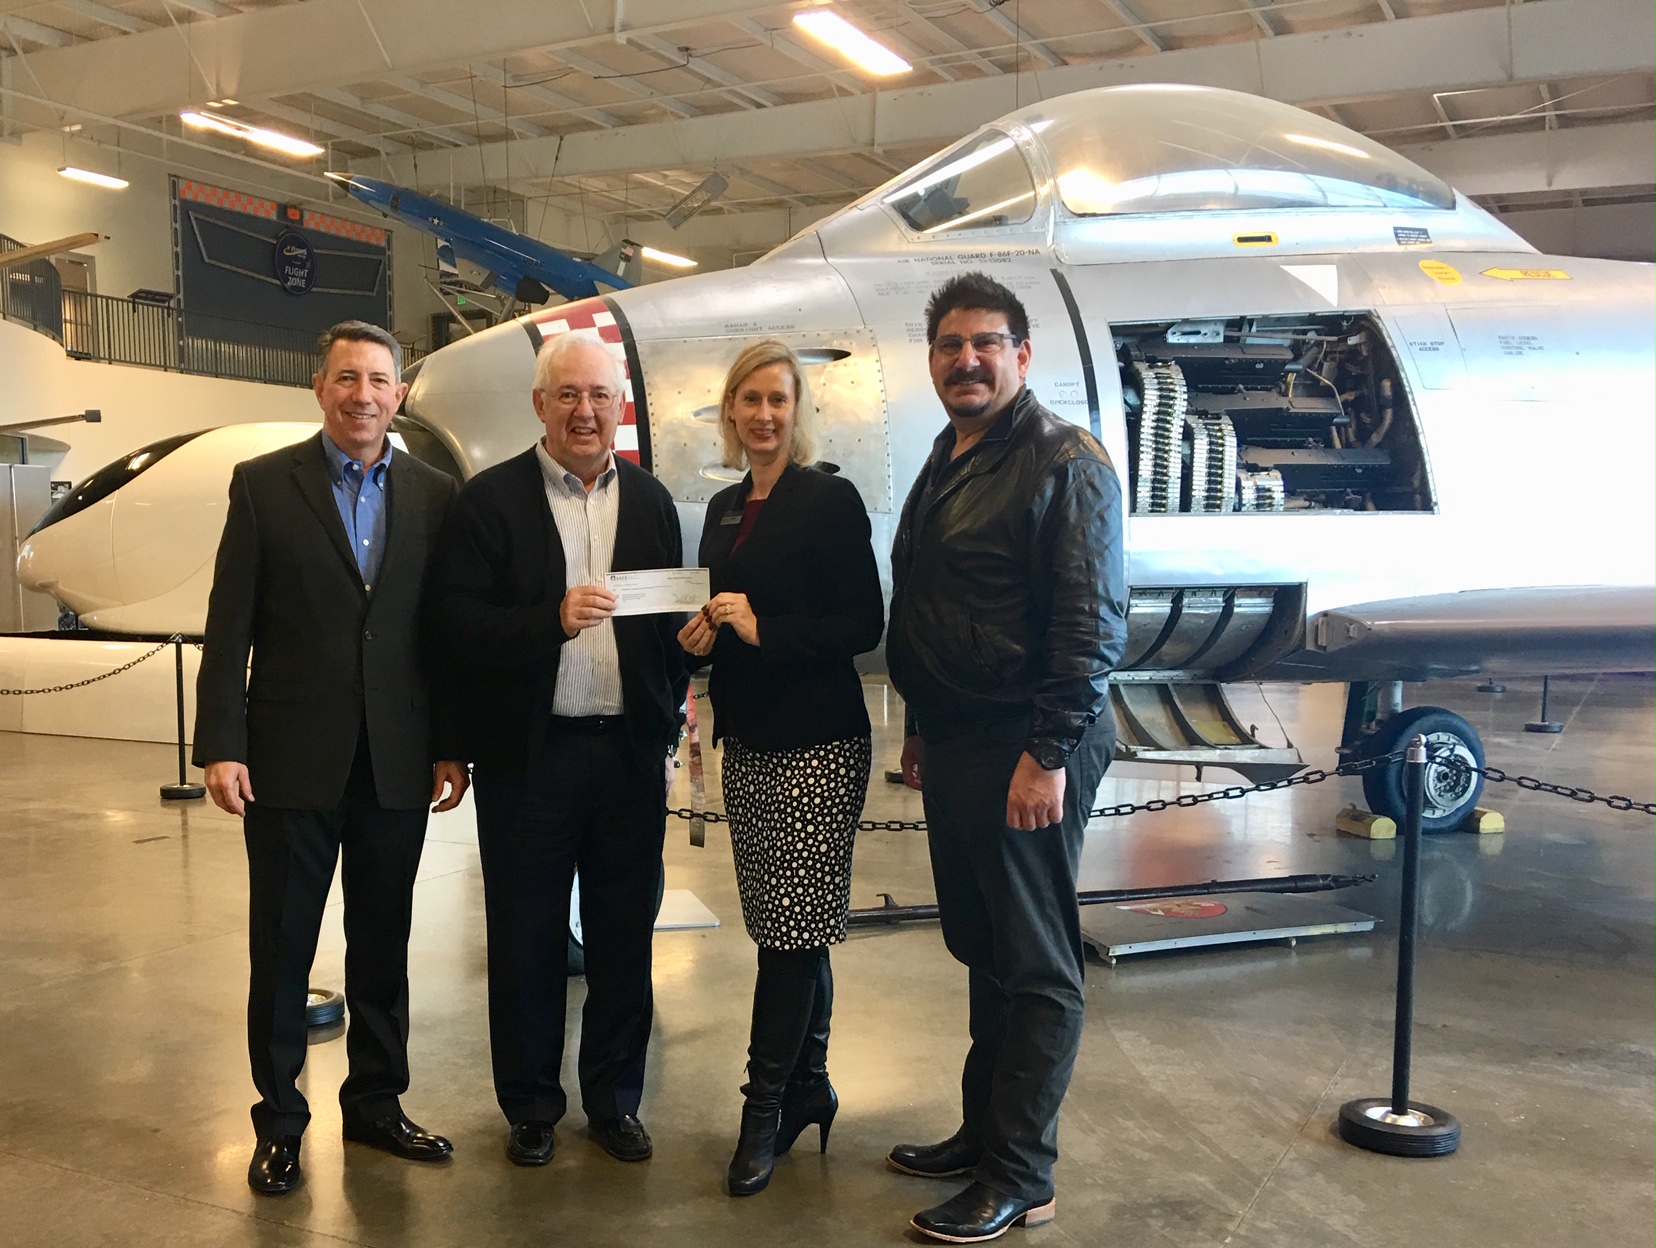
(183, 790)
(1398, 1126)
(1544, 724)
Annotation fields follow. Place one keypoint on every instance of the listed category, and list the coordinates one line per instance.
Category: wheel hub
(1447, 787)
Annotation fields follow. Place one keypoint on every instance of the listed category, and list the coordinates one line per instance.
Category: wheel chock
(1354, 822)
(1484, 821)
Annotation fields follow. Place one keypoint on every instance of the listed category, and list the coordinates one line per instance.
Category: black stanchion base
(182, 792)
(1492, 686)
(1544, 725)
(1425, 1131)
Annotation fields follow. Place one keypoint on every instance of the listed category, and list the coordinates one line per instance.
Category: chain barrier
(1318, 775)
(92, 680)
(1615, 801)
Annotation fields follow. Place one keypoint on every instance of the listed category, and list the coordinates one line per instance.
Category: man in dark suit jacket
(568, 716)
(320, 573)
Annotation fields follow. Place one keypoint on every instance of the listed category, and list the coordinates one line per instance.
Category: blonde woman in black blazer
(796, 596)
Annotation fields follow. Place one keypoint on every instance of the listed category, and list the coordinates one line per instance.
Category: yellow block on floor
(1484, 822)
(1354, 822)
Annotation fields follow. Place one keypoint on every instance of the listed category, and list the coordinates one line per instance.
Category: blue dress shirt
(360, 496)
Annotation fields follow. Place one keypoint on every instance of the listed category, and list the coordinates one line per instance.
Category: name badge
(732, 517)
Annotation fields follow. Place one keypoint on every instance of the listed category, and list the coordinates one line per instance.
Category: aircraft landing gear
(1450, 793)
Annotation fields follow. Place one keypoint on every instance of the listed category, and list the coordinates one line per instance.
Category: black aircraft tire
(1438, 1138)
(323, 1006)
(1383, 786)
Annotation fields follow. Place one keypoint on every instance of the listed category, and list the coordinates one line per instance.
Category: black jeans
(584, 802)
(1007, 902)
(290, 858)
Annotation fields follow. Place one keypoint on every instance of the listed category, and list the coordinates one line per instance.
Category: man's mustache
(969, 376)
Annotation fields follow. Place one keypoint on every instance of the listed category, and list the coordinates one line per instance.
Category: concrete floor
(1201, 1111)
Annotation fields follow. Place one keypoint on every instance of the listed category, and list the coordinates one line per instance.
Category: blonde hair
(754, 356)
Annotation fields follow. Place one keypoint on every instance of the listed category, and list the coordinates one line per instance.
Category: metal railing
(111, 330)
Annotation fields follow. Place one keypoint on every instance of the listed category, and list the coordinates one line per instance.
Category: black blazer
(325, 651)
(808, 570)
(497, 581)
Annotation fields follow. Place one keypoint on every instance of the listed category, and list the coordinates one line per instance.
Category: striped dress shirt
(589, 672)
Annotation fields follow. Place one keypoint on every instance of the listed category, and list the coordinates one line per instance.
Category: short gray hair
(357, 331)
(555, 348)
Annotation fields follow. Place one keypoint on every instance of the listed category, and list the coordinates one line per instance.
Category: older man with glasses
(568, 716)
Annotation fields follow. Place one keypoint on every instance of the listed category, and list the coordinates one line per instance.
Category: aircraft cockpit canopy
(1121, 151)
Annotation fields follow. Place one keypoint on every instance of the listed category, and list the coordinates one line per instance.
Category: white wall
(1607, 231)
(139, 405)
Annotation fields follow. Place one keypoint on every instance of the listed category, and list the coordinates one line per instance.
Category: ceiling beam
(34, 32)
(966, 55)
(993, 11)
(207, 8)
(1268, 23)
(593, 69)
(745, 94)
(1582, 158)
(326, 126)
(1545, 40)
(781, 42)
(1140, 27)
(405, 122)
(292, 48)
(461, 103)
(108, 16)
(557, 99)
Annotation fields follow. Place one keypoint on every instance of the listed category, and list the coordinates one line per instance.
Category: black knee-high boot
(810, 1097)
(782, 997)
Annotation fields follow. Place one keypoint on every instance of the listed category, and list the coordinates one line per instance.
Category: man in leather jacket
(1008, 613)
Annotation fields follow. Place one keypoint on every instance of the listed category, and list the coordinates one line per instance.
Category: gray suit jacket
(327, 655)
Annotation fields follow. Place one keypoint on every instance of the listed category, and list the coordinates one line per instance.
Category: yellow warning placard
(1263, 238)
(1438, 271)
(1528, 275)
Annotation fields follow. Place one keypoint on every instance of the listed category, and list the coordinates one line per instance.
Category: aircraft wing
(1525, 631)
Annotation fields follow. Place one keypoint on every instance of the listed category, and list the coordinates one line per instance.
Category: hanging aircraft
(524, 268)
(1367, 434)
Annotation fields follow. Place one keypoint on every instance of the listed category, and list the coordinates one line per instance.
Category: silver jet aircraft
(1366, 433)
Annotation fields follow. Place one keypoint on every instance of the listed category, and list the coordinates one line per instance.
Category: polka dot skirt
(793, 817)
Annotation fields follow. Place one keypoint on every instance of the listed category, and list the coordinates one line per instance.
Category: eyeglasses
(569, 397)
(989, 344)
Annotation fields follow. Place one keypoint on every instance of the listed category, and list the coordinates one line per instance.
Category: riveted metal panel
(683, 380)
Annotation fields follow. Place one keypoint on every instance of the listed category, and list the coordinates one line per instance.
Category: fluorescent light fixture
(668, 258)
(96, 179)
(273, 139)
(1328, 145)
(854, 45)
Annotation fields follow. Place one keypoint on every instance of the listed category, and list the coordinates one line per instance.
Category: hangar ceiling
(609, 111)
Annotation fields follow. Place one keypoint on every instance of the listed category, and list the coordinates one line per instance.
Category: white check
(658, 590)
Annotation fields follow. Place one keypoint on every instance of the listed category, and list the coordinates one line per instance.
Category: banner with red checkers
(255, 206)
(599, 318)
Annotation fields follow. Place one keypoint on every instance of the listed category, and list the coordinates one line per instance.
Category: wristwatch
(1047, 752)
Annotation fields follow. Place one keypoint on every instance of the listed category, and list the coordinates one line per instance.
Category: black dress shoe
(623, 1138)
(956, 1155)
(275, 1165)
(981, 1213)
(530, 1143)
(396, 1135)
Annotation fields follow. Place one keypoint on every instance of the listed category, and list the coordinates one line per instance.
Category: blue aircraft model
(525, 268)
